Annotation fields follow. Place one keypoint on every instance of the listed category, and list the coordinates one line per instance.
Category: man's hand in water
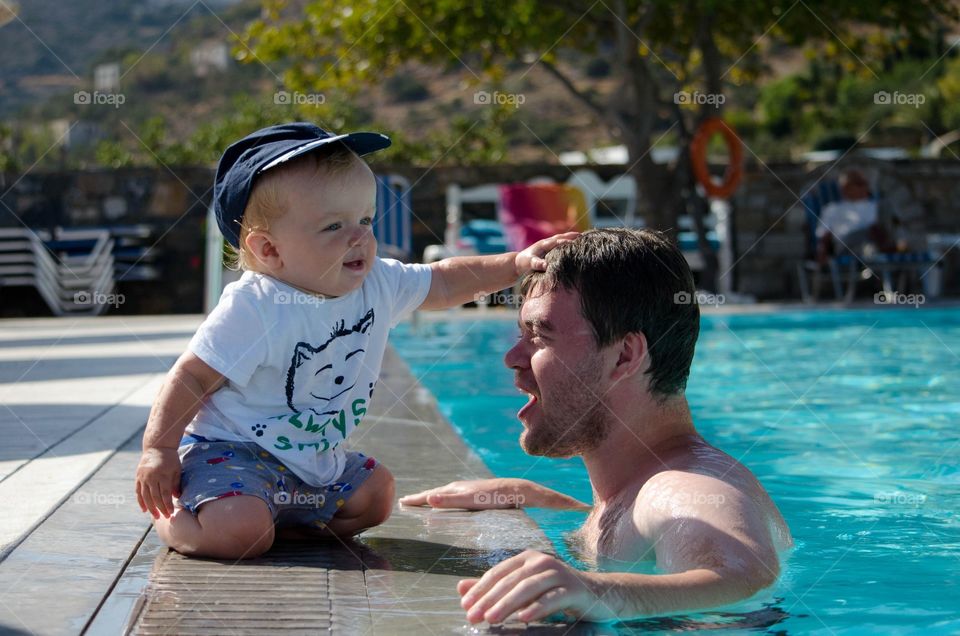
(532, 586)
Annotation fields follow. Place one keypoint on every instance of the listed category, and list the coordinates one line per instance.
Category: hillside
(186, 94)
(51, 46)
(50, 49)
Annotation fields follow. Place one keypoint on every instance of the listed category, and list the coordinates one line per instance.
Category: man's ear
(633, 356)
(260, 244)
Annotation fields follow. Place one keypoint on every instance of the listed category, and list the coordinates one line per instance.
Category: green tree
(656, 49)
(8, 159)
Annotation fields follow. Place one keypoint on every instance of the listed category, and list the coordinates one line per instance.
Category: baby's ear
(261, 245)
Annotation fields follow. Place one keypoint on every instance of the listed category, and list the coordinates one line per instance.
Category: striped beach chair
(392, 225)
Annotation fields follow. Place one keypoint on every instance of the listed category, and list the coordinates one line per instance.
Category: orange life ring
(698, 158)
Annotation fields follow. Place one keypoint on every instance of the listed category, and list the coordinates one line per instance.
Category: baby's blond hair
(268, 201)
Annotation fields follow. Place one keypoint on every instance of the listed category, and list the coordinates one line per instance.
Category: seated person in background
(852, 224)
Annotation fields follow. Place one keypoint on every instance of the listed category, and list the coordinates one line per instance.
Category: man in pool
(607, 335)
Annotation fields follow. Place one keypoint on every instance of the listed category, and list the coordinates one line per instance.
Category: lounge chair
(847, 268)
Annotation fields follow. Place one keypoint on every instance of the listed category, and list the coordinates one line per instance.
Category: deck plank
(54, 581)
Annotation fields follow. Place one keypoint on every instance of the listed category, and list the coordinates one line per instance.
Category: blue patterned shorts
(214, 469)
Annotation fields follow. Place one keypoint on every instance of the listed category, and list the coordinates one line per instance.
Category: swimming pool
(850, 419)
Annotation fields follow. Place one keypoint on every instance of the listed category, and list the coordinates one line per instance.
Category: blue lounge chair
(392, 225)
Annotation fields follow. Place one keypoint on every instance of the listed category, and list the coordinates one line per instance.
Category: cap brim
(361, 143)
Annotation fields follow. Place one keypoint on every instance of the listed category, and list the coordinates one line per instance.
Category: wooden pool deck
(77, 556)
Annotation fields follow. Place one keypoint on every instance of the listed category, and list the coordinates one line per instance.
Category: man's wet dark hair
(631, 281)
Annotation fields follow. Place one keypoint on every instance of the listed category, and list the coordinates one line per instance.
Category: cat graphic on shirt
(319, 375)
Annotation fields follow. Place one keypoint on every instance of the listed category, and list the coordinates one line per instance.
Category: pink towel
(530, 212)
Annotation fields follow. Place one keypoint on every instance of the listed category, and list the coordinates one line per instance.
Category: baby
(247, 430)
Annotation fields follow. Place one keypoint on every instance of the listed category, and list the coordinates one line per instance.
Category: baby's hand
(531, 259)
(158, 481)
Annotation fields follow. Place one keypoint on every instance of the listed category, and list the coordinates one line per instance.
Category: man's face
(558, 365)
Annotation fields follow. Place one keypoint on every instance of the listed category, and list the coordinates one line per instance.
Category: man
(607, 335)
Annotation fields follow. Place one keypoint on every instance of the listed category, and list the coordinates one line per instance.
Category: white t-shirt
(841, 218)
(300, 369)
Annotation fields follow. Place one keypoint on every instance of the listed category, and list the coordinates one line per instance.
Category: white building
(208, 57)
(106, 77)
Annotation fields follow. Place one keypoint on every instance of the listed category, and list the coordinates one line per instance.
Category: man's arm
(459, 279)
(487, 494)
(709, 537)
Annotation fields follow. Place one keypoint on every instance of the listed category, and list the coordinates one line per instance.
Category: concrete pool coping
(84, 559)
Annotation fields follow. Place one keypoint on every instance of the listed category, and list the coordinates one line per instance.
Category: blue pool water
(851, 420)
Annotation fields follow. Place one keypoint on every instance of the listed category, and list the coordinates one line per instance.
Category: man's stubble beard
(574, 422)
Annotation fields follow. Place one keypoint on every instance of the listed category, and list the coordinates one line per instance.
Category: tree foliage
(656, 49)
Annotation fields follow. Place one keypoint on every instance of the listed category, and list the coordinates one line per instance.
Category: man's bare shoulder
(702, 482)
(681, 494)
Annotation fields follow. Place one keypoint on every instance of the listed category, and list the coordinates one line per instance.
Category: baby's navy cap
(266, 149)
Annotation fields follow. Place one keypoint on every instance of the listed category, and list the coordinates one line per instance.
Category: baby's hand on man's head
(531, 259)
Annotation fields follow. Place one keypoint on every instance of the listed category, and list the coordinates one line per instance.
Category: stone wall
(769, 222)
